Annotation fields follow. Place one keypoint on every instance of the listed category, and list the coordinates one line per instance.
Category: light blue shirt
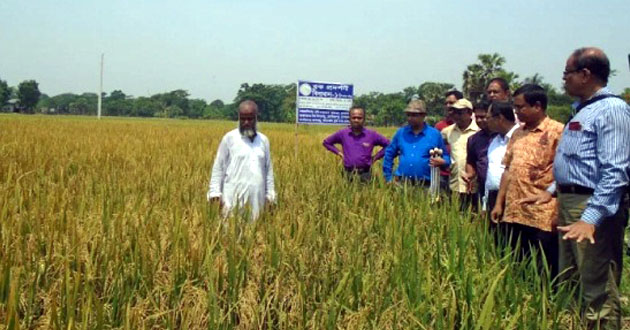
(594, 152)
(496, 151)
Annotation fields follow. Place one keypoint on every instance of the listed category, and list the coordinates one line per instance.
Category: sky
(211, 47)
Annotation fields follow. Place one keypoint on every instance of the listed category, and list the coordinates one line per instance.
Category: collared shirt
(477, 154)
(529, 159)
(242, 174)
(442, 124)
(458, 139)
(413, 152)
(595, 153)
(357, 149)
(496, 152)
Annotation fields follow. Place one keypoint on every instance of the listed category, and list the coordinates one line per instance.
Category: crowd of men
(560, 190)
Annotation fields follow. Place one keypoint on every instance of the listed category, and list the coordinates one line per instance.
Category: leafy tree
(432, 93)
(28, 94)
(43, 104)
(216, 110)
(554, 97)
(478, 74)
(146, 107)
(80, 107)
(60, 103)
(536, 79)
(383, 109)
(269, 99)
(626, 95)
(511, 79)
(411, 92)
(560, 113)
(178, 97)
(5, 93)
(172, 111)
(117, 104)
(288, 104)
(217, 103)
(116, 95)
(196, 108)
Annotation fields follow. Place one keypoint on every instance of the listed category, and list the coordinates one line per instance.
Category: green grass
(104, 224)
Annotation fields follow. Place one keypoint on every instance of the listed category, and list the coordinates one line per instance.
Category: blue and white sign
(323, 103)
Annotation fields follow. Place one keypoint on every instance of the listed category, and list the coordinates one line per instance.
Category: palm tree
(478, 74)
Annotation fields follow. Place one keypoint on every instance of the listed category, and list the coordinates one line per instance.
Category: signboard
(323, 103)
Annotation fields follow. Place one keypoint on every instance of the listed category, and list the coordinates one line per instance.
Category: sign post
(322, 103)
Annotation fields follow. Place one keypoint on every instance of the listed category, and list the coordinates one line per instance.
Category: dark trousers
(445, 186)
(523, 240)
(364, 175)
(597, 266)
(469, 201)
(490, 203)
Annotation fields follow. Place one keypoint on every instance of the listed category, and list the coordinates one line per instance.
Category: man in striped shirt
(591, 171)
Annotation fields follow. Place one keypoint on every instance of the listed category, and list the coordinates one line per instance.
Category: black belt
(359, 170)
(575, 189)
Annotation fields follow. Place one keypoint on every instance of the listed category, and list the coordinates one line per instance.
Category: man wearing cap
(457, 136)
(449, 99)
(358, 144)
(412, 144)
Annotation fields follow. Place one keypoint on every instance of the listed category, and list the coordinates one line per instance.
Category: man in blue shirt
(412, 144)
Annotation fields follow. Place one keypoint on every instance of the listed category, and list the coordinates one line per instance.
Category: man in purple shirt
(358, 144)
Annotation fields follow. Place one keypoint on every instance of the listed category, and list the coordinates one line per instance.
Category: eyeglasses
(459, 111)
(413, 114)
(568, 72)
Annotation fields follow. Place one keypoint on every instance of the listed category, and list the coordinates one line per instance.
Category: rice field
(104, 224)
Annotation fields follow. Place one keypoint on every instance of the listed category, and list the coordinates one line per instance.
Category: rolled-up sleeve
(383, 142)
(329, 142)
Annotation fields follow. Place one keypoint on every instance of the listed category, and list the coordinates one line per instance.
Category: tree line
(277, 101)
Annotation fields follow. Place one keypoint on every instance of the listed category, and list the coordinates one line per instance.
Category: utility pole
(100, 94)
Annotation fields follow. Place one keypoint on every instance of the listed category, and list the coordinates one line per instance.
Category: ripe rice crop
(104, 224)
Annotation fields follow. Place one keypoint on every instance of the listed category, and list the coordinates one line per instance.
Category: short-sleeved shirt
(529, 160)
(458, 140)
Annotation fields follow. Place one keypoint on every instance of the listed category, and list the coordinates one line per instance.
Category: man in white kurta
(242, 175)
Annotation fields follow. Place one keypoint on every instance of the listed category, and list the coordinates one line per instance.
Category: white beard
(249, 133)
